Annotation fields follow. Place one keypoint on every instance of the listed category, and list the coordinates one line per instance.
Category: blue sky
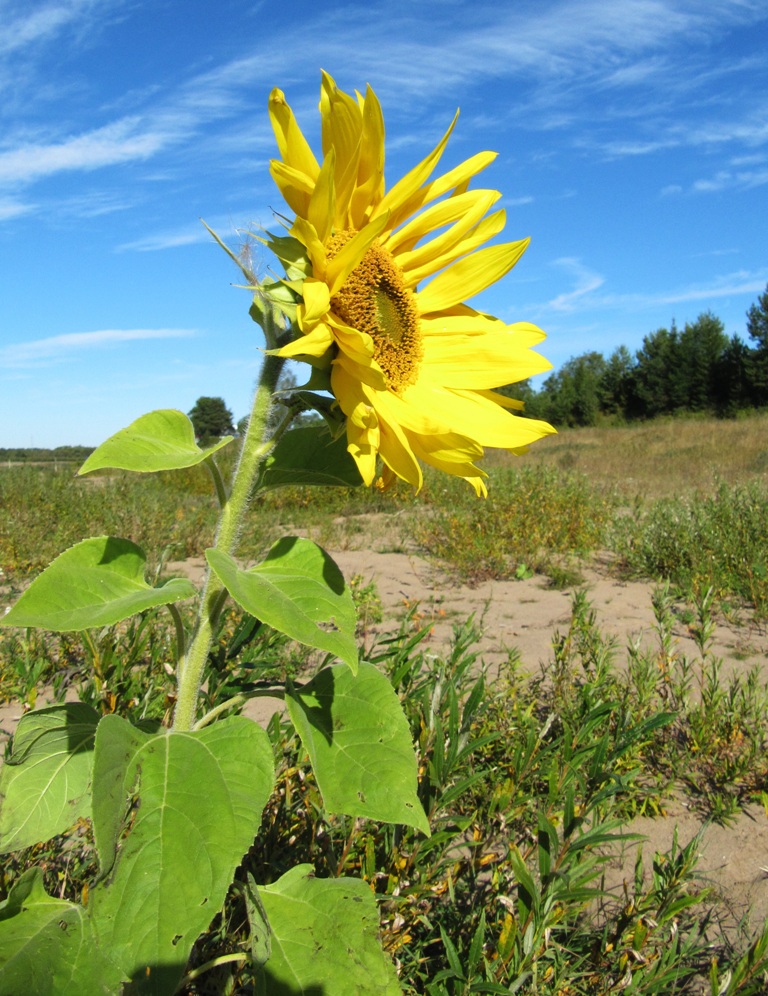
(632, 141)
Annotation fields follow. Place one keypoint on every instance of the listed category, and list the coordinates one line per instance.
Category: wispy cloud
(57, 347)
(120, 142)
(192, 234)
(30, 26)
(726, 179)
(728, 285)
(587, 298)
(585, 280)
(12, 209)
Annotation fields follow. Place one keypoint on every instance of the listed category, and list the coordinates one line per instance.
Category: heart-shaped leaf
(310, 455)
(298, 590)
(98, 582)
(324, 937)
(45, 784)
(359, 742)
(47, 946)
(161, 440)
(184, 808)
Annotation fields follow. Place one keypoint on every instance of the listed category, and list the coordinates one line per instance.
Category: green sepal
(297, 590)
(161, 440)
(45, 783)
(291, 253)
(359, 742)
(97, 582)
(325, 937)
(310, 455)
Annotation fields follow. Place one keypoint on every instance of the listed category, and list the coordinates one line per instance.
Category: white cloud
(12, 209)
(32, 26)
(24, 354)
(732, 180)
(585, 280)
(728, 285)
(119, 142)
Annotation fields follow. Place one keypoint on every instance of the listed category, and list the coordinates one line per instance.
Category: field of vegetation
(529, 781)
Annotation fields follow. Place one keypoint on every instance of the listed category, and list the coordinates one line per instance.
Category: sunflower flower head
(380, 279)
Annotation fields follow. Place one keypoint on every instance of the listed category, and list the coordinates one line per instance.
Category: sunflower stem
(256, 445)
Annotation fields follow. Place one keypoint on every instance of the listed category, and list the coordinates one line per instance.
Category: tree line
(694, 369)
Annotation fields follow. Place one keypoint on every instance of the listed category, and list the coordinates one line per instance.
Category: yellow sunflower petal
(370, 171)
(500, 428)
(316, 343)
(478, 362)
(317, 301)
(366, 372)
(454, 181)
(469, 276)
(410, 183)
(363, 441)
(294, 149)
(474, 203)
(501, 399)
(344, 262)
(321, 210)
(480, 234)
(445, 324)
(469, 413)
(295, 186)
(342, 129)
(397, 454)
(438, 453)
(305, 233)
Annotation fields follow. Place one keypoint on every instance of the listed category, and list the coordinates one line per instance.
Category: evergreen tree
(658, 379)
(733, 391)
(757, 329)
(616, 389)
(700, 348)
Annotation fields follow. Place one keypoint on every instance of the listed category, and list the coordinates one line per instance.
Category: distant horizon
(632, 148)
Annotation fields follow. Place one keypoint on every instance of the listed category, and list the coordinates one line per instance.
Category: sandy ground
(523, 616)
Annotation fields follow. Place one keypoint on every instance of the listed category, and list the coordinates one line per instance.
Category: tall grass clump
(46, 511)
(717, 541)
(534, 518)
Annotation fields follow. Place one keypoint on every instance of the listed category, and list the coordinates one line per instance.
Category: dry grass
(657, 459)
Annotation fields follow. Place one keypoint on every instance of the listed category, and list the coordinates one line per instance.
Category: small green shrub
(701, 541)
(535, 516)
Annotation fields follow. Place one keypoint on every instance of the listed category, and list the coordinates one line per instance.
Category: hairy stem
(256, 446)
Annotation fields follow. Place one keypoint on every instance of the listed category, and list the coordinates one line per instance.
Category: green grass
(529, 782)
(535, 518)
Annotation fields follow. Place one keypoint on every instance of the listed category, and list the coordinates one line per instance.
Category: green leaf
(360, 745)
(187, 807)
(310, 455)
(297, 590)
(45, 784)
(47, 946)
(325, 937)
(161, 440)
(98, 582)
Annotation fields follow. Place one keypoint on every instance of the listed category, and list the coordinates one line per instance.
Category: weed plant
(529, 783)
(698, 542)
(46, 511)
(535, 518)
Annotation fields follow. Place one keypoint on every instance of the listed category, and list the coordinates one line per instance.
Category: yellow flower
(413, 370)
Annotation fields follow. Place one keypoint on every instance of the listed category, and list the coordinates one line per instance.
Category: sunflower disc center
(375, 299)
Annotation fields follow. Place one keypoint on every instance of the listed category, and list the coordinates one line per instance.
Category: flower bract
(381, 277)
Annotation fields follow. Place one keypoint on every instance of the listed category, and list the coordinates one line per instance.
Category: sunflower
(412, 368)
